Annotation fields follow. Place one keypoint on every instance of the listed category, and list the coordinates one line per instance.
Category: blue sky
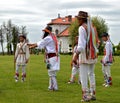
(35, 14)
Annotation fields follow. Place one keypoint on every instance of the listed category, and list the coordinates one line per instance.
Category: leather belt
(50, 55)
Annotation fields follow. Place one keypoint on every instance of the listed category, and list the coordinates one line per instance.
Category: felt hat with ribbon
(48, 29)
(82, 15)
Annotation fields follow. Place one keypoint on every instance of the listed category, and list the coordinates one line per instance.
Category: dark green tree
(8, 31)
(15, 33)
(100, 25)
(117, 49)
(2, 39)
(73, 31)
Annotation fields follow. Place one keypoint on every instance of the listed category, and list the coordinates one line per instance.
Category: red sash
(56, 43)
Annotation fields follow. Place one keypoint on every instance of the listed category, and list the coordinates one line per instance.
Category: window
(56, 31)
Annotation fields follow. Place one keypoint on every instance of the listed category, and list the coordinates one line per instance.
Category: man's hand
(27, 61)
(32, 45)
(71, 63)
(103, 63)
(75, 58)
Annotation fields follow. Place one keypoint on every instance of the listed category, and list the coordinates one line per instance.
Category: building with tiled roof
(62, 20)
(64, 33)
(60, 26)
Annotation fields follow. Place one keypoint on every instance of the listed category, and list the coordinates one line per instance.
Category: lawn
(34, 89)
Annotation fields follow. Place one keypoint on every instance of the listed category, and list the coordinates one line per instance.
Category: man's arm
(32, 45)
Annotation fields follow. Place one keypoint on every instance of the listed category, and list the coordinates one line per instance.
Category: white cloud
(11, 2)
(35, 14)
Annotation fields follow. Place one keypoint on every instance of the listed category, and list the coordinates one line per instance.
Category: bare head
(105, 36)
(22, 38)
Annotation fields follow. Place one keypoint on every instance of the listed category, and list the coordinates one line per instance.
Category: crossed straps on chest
(21, 48)
(21, 51)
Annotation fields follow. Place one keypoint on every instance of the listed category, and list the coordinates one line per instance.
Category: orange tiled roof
(61, 21)
(64, 33)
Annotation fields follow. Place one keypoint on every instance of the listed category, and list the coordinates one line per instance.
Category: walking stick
(14, 56)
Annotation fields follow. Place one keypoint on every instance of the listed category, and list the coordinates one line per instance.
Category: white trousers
(87, 74)
(23, 69)
(107, 73)
(75, 70)
(52, 80)
(106, 70)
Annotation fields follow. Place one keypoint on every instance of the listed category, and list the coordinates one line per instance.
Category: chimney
(69, 18)
(58, 15)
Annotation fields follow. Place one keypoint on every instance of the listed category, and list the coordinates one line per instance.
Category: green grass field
(34, 90)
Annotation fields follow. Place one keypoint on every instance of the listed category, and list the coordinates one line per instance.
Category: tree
(8, 32)
(2, 39)
(23, 30)
(117, 49)
(100, 25)
(15, 33)
(73, 31)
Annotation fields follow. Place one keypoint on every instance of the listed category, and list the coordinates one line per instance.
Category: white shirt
(22, 54)
(82, 39)
(108, 51)
(48, 44)
(82, 47)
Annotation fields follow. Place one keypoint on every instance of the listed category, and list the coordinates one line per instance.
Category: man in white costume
(21, 57)
(107, 60)
(50, 44)
(75, 68)
(87, 54)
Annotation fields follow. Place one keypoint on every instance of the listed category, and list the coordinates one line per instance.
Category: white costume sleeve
(82, 39)
(108, 49)
(42, 44)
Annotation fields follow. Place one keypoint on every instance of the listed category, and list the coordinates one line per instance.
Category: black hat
(82, 14)
(48, 29)
(104, 34)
